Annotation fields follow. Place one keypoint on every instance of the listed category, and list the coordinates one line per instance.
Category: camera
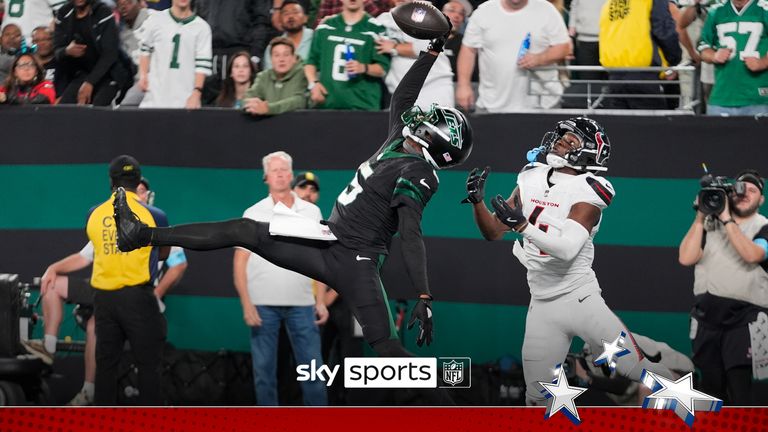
(714, 191)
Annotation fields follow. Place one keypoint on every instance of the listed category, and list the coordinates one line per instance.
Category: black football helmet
(444, 134)
(595, 151)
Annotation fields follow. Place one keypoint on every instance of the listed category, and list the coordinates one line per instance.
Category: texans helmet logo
(600, 145)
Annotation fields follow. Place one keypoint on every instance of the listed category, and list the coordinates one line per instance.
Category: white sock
(89, 389)
(50, 343)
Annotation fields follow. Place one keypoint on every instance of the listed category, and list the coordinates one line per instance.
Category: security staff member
(125, 305)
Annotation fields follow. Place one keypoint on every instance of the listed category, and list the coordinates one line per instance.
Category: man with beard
(43, 38)
(729, 317)
(293, 20)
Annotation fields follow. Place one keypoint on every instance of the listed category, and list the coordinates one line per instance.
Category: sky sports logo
(393, 372)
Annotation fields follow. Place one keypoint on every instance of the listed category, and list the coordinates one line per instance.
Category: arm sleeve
(147, 42)
(203, 52)
(60, 40)
(408, 90)
(761, 239)
(664, 33)
(176, 257)
(109, 44)
(473, 34)
(314, 51)
(87, 251)
(708, 37)
(555, 29)
(414, 252)
(297, 100)
(564, 246)
(414, 188)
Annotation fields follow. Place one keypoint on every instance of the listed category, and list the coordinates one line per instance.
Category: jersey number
(532, 218)
(175, 57)
(753, 29)
(353, 190)
(16, 8)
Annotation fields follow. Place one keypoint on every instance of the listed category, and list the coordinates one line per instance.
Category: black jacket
(242, 24)
(103, 39)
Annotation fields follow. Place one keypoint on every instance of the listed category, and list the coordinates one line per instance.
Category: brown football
(421, 20)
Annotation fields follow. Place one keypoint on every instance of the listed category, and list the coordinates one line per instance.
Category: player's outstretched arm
(406, 93)
(573, 234)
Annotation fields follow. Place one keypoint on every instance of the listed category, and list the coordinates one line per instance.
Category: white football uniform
(565, 295)
(179, 49)
(30, 14)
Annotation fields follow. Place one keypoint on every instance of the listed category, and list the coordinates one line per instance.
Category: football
(421, 20)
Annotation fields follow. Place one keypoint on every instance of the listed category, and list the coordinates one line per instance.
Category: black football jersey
(365, 215)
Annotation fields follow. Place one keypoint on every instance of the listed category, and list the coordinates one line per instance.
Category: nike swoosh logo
(582, 299)
(424, 183)
(359, 258)
(510, 220)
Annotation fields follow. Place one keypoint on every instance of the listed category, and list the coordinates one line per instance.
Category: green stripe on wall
(645, 212)
(483, 332)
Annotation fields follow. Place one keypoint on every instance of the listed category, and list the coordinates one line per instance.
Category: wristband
(728, 221)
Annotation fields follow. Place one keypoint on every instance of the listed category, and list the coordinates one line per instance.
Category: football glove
(438, 43)
(423, 313)
(476, 185)
(509, 216)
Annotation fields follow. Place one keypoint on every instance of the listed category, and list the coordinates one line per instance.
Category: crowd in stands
(271, 56)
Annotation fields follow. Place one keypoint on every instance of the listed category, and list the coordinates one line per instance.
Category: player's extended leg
(595, 322)
(545, 345)
(299, 255)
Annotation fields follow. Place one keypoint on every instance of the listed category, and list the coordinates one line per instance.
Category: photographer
(728, 244)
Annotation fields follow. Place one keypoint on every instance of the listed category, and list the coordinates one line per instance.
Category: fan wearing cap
(307, 187)
(386, 195)
(730, 313)
(126, 307)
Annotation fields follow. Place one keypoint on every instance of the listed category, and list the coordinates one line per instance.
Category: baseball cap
(124, 166)
(751, 176)
(304, 178)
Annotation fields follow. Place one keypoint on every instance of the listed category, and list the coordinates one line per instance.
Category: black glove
(509, 216)
(476, 185)
(438, 43)
(423, 313)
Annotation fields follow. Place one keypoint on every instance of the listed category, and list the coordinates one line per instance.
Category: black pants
(104, 91)
(617, 87)
(588, 54)
(339, 342)
(132, 314)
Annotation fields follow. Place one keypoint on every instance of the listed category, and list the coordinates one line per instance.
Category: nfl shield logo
(418, 15)
(453, 372)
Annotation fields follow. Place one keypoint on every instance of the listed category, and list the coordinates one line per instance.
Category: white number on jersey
(753, 29)
(348, 195)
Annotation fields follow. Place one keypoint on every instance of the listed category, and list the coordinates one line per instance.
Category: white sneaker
(80, 399)
(36, 347)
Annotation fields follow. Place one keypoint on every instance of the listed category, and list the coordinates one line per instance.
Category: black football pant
(354, 274)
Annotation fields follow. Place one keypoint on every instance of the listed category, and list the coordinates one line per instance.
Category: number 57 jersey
(547, 197)
(365, 215)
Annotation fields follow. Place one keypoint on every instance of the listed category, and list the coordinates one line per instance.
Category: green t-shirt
(746, 34)
(332, 42)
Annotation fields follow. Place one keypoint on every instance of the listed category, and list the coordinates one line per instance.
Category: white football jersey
(547, 205)
(179, 48)
(30, 14)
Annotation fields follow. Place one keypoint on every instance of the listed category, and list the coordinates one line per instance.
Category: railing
(595, 92)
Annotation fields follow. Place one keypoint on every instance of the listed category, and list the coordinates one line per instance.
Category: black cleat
(127, 224)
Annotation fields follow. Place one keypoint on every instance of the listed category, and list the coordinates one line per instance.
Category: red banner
(364, 419)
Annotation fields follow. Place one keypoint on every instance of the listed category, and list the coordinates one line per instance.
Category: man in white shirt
(271, 296)
(497, 32)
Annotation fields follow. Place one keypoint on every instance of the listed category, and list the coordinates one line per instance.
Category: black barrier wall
(206, 165)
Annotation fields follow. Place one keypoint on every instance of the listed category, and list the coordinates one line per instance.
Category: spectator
(307, 187)
(240, 77)
(458, 12)
(27, 84)
(729, 249)
(691, 22)
(309, 7)
(158, 5)
(236, 25)
(282, 88)
(126, 307)
(10, 43)
(328, 8)
(133, 15)
(175, 58)
(89, 68)
(584, 27)
(30, 14)
(404, 49)
(498, 30)
(625, 42)
(56, 288)
(344, 52)
(293, 22)
(734, 39)
(42, 37)
(271, 295)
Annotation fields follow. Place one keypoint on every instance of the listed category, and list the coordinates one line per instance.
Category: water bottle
(525, 46)
(349, 55)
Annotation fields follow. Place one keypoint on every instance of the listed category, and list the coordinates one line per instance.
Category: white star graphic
(612, 351)
(560, 395)
(669, 394)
